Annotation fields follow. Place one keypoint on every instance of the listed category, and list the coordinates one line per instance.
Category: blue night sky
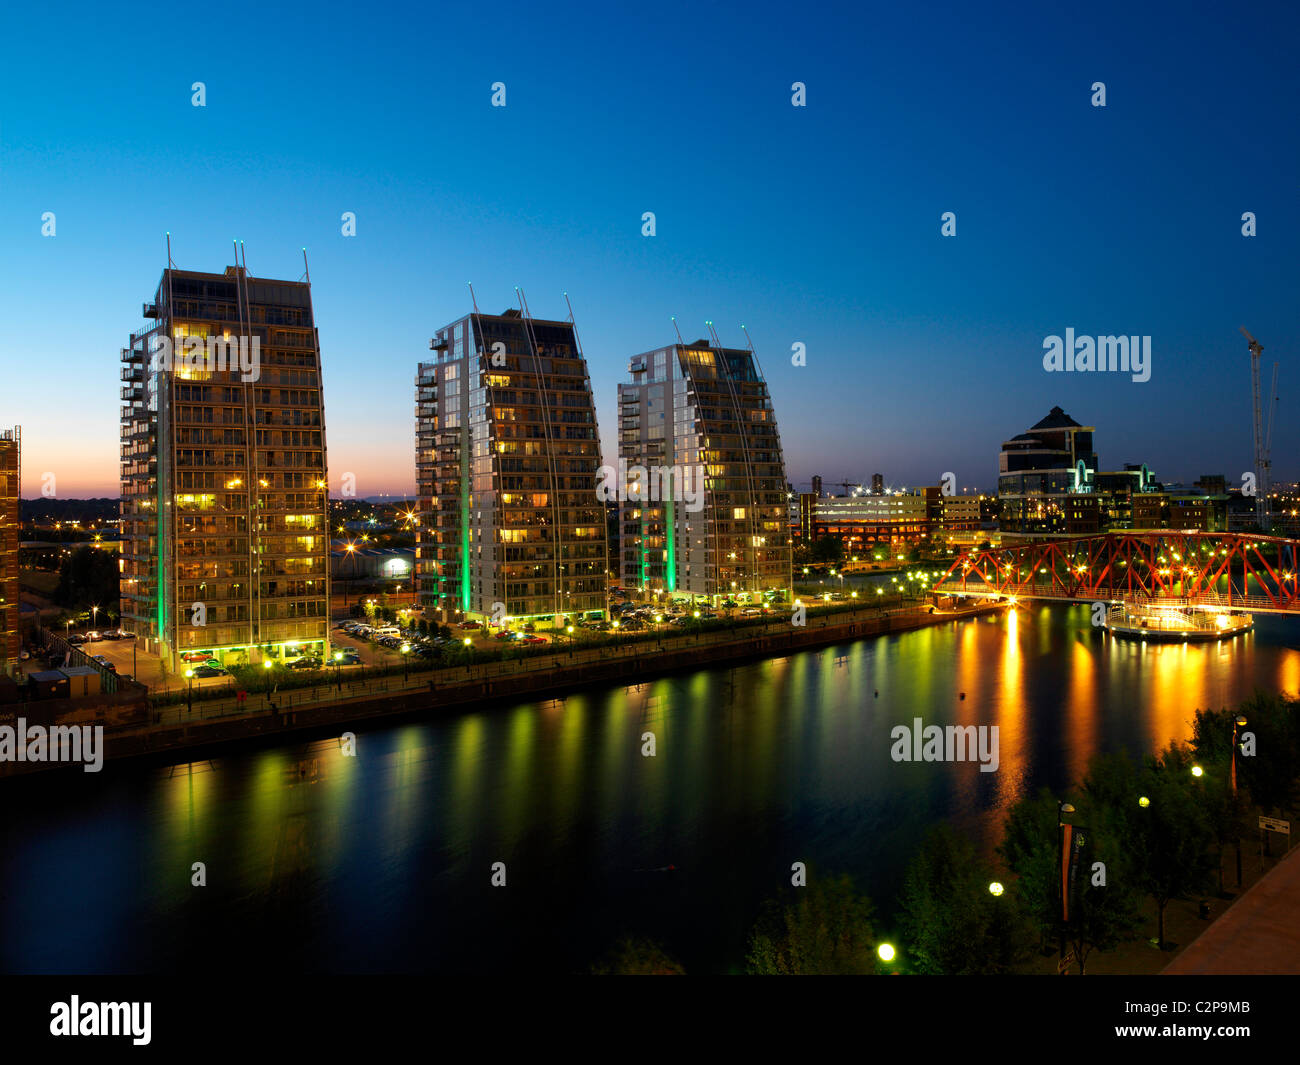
(818, 225)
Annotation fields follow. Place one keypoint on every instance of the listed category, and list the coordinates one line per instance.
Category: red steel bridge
(1227, 571)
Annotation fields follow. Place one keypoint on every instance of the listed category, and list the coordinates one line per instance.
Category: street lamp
(406, 650)
(1238, 723)
(886, 952)
(189, 695)
(1065, 832)
(338, 663)
(996, 889)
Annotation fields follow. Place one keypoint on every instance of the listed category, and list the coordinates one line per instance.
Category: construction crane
(1263, 437)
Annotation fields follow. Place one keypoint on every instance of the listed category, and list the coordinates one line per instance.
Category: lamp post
(338, 663)
(1065, 832)
(406, 650)
(1238, 722)
(189, 694)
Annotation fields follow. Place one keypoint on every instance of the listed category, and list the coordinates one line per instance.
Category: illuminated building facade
(224, 491)
(507, 463)
(704, 412)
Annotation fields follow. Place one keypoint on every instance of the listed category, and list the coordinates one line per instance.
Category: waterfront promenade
(341, 700)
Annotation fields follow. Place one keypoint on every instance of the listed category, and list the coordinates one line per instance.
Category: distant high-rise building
(714, 520)
(10, 625)
(1049, 482)
(507, 463)
(224, 496)
(877, 484)
(817, 487)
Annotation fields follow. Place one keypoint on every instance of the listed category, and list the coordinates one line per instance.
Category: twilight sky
(817, 225)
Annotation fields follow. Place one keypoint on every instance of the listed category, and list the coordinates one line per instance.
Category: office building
(224, 493)
(507, 464)
(709, 515)
(1049, 483)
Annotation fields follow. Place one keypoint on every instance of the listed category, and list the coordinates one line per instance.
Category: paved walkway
(1258, 935)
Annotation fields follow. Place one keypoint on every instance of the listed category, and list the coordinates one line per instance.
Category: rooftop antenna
(573, 322)
(678, 332)
(752, 352)
(472, 297)
(1261, 448)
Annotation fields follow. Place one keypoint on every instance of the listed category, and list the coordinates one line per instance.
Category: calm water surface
(382, 862)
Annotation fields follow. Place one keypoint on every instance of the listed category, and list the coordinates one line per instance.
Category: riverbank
(205, 729)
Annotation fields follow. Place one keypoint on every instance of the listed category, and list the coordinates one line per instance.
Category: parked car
(100, 660)
(348, 658)
(305, 662)
(76, 639)
(210, 671)
(109, 634)
(750, 612)
(194, 656)
(122, 634)
(471, 625)
(93, 635)
(529, 638)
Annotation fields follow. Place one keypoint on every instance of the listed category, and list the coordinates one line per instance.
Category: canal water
(384, 861)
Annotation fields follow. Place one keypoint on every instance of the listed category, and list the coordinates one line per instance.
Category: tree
(1172, 832)
(952, 924)
(88, 577)
(1212, 732)
(638, 957)
(1104, 906)
(827, 549)
(824, 930)
(1270, 774)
